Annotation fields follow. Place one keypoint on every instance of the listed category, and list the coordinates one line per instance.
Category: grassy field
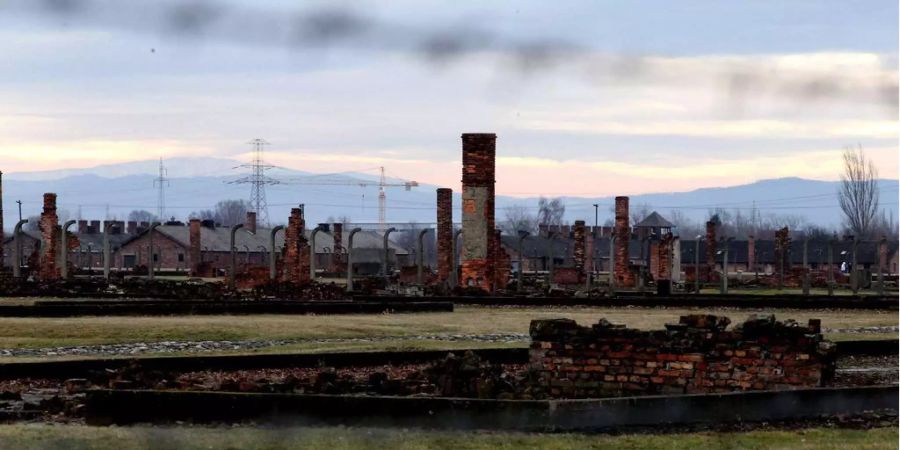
(84, 437)
(52, 332)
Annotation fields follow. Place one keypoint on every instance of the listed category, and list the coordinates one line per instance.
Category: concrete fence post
(150, 264)
(273, 256)
(350, 258)
(386, 260)
(521, 249)
(420, 253)
(454, 273)
(64, 250)
(17, 246)
(233, 275)
(312, 252)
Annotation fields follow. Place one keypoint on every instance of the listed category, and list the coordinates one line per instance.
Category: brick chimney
(250, 225)
(94, 228)
(478, 179)
(194, 240)
(82, 227)
(132, 227)
(623, 274)
(444, 233)
(711, 248)
(580, 254)
(49, 239)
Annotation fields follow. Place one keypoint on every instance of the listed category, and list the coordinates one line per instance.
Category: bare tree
(551, 211)
(141, 215)
(226, 212)
(639, 213)
(518, 218)
(33, 224)
(858, 194)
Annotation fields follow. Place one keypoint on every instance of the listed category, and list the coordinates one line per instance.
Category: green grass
(57, 332)
(85, 437)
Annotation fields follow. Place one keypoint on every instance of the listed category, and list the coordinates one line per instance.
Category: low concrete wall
(123, 407)
(165, 308)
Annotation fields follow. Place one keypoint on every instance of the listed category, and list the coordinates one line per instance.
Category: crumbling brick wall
(49, 226)
(479, 242)
(444, 234)
(624, 275)
(696, 355)
(502, 262)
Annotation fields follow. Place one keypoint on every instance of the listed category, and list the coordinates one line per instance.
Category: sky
(589, 98)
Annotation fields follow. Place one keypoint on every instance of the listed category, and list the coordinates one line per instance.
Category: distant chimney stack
(251, 222)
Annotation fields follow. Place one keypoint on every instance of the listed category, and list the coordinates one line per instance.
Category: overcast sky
(587, 98)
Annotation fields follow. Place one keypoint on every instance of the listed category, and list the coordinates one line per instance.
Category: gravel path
(137, 348)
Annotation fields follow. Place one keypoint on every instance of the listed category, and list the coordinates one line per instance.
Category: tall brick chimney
(250, 225)
(479, 241)
(82, 226)
(578, 234)
(94, 227)
(711, 249)
(623, 274)
(49, 239)
(132, 227)
(194, 240)
(444, 233)
(296, 248)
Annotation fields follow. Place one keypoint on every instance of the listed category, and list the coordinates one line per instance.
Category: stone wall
(696, 355)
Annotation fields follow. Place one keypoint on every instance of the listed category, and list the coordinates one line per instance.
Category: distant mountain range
(198, 183)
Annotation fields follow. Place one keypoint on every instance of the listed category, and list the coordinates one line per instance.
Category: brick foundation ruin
(696, 355)
(480, 242)
(580, 249)
(444, 234)
(49, 225)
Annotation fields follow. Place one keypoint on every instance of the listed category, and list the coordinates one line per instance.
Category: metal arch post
(64, 251)
(17, 243)
(420, 253)
(232, 248)
(350, 258)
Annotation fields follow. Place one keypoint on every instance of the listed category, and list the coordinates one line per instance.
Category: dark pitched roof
(654, 220)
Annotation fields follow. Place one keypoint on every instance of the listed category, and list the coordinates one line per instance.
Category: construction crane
(322, 180)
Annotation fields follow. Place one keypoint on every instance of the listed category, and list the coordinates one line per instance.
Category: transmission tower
(162, 181)
(257, 179)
